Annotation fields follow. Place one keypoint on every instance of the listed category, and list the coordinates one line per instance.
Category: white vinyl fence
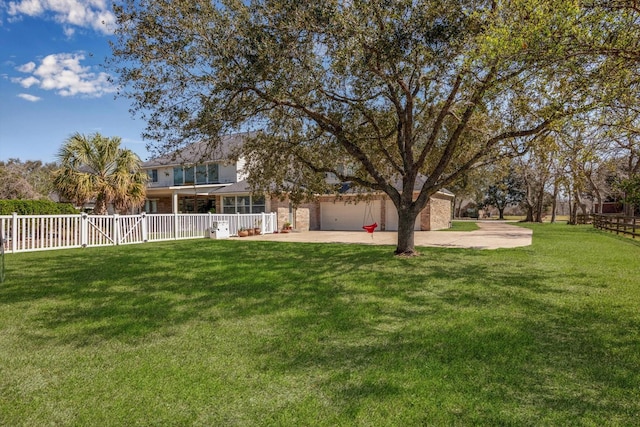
(23, 233)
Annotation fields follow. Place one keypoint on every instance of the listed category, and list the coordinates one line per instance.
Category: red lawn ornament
(370, 228)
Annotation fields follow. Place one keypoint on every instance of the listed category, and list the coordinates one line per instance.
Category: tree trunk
(528, 213)
(540, 206)
(501, 213)
(554, 202)
(570, 202)
(458, 207)
(406, 235)
(100, 207)
(573, 218)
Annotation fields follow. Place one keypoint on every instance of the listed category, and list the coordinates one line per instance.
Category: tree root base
(406, 254)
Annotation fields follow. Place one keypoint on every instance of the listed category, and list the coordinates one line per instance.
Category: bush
(35, 207)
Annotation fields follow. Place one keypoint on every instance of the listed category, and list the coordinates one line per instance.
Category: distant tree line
(27, 180)
(90, 169)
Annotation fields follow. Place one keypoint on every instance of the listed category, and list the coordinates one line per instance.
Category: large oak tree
(409, 94)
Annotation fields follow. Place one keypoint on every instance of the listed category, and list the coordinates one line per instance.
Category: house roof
(201, 152)
(243, 187)
(235, 188)
(346, 187)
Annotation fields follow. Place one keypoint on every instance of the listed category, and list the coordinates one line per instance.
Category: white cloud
(26, 7)
(28, 67)
(28, 82)
(68, 31)
(64, 74)
(81, 13)
(30, 98)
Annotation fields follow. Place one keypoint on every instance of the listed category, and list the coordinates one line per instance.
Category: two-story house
(191, 181)
(196, 181)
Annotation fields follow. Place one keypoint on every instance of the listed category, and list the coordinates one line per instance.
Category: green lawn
(464, 225)
(245, 333)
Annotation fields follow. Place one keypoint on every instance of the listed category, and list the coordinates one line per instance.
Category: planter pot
(250, 231)
(243, 233)
(256, 231)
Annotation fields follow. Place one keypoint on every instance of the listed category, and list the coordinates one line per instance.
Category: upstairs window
(189, 176)
(199, 174)
(178, 176)
(153, 175)
(212, 173)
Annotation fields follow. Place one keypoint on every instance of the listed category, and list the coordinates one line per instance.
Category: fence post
(116, 229)
(14, 232)
(145, 227)
(263, 224)
(84, 229)
(175, 226)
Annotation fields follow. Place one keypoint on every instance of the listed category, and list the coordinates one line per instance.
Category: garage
(348, 216)
(392, 218)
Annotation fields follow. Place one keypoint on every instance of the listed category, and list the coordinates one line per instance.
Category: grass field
(464, 225)
(244, 333)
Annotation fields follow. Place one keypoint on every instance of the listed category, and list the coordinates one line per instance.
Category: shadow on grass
(472, 336)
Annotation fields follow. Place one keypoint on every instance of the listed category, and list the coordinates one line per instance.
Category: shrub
(35, 207)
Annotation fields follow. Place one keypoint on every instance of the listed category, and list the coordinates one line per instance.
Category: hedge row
(35, 207)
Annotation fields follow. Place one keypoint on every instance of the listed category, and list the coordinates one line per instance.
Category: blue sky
(52, 78)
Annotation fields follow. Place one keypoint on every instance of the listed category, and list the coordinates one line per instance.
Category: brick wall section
(164, 205)
(439, 212)
(302, 218)
(303, 214)
(425, 217)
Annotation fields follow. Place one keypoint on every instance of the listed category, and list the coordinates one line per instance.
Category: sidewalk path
(491, 235)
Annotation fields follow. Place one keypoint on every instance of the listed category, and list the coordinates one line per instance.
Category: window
(151, 206)
(153, 175)
(201, 174)
(243, 204)
(258, 204)
(189, 175)
(213, 173)
(178, 176)
(229, 204)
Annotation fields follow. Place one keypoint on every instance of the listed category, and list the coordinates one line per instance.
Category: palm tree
(94, 167)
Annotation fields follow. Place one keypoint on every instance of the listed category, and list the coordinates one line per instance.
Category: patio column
(174, 202)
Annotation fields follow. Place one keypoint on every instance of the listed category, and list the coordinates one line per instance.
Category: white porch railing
(24, 233)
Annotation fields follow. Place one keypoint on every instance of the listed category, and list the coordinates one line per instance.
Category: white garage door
(392, 218)
(347, 216)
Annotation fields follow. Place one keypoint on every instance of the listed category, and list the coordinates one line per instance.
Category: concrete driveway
(491, 235)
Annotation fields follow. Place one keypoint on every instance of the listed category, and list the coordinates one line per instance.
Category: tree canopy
(410, 94)
(30, 180)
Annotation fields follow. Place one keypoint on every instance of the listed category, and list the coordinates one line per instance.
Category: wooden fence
(22, 233)
(626, 225)
(584, 219)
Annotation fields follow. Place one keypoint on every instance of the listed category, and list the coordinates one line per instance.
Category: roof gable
(201, 152)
